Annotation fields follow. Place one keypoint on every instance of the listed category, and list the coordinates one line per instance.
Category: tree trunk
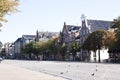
(73, 57)
(30, 56)
(54, 57)
(63, 57)
(95, 56)
(81, 55)
(89, 56)
(99, 56)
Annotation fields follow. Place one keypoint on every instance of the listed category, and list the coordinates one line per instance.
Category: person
(1, 59)
(39, 58)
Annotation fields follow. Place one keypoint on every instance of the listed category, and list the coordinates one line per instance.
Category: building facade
(69, 33)
(87, 27)
(15, 48)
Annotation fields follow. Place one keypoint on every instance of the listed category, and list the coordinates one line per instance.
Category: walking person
(1, 59)
(39, 58)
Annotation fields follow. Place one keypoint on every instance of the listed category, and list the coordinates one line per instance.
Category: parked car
(1, 59)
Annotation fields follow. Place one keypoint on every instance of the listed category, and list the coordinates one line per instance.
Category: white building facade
(89, 26)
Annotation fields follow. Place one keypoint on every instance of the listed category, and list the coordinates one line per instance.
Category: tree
(53, 46)
(28, 49)
(116, 27)
(37, 49)
(98, 40)
(63, 50)
(75, 46)
(42, 48)
(7, 7)
(109, 39)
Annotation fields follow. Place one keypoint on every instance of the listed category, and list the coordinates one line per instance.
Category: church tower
(84, 32)
(84, 29)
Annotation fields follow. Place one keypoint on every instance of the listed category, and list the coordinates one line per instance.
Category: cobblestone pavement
(72, 70)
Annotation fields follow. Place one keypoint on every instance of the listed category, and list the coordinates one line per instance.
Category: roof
(28, 37)
(48, 34)
(18, 40)
(99, 24)
(72, 28)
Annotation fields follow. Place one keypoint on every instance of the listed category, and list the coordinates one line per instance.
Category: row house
(15, 49)
(19, 43)
(40, 36)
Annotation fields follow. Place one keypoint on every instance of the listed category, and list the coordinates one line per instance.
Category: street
(71, 70)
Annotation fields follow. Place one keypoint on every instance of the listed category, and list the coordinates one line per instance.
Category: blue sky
(50, 15)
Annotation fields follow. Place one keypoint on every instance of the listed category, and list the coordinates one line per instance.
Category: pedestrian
(39, 58)
(1, 59)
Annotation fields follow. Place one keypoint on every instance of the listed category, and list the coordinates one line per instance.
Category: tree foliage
(116, 26)
(39, 48)
(116, 23)
(75, 47)
(52, 46)
(42, 48)
(28, 48)
(109, 39)
(98, 40)
(63, 50)
(7, 7)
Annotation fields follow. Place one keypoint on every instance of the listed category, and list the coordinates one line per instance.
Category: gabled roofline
(99, 20)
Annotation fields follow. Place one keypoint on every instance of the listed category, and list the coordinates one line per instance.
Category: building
(6, 49)
(40, 36)
(15, 48)
(88, 26)
(69, 33)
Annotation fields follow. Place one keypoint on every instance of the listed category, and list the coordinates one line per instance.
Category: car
(1, 59)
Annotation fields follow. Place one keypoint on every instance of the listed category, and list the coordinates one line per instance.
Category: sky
(50, 15)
